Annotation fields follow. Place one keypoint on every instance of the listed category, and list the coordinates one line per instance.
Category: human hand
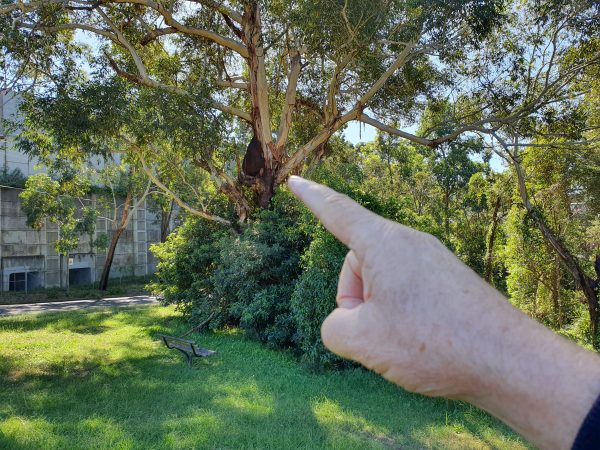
(410, 310)
(407, 307)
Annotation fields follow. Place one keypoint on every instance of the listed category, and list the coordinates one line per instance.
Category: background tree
(122, 183)
(535, 75)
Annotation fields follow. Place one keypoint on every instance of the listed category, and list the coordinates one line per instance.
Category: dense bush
(244, 278)
(257, 271)
(314, 297)
(276, 278)
(187, 261)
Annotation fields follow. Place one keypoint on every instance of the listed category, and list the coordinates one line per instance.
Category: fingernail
(294, 182)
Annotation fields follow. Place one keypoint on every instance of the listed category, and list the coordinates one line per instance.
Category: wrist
(538, 383)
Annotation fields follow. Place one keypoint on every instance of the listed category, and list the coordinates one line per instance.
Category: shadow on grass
(138, 394)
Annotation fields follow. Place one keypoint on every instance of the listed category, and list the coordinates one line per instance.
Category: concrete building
(28, 259)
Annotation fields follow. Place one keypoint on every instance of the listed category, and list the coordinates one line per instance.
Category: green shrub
(256, 272)
(243, 279)
(52, 293)
(187, 261)
(314, 297)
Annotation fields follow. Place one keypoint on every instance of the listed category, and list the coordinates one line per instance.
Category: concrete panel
(9, 208)
(34, 237)
(14, 237)
(14, 223)
(11, 264)
(51, 236)
(153, 235)
(52, 279)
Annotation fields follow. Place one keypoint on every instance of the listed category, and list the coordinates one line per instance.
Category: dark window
(35, 280)
(16, 281)
(80, 276)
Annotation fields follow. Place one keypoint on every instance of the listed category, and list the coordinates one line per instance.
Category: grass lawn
(116, 287)
(100, 379)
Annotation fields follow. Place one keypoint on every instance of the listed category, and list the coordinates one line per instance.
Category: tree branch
(223, 41)
(175, 197)
(220, 7)
(290, 98)
(155, 34)
(175, 90)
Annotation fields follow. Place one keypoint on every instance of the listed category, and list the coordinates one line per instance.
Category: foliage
(314, 297)
(244, 278)
(537, 281)
(14, 178)
(257, 271)
(44, 198)
(186, 263)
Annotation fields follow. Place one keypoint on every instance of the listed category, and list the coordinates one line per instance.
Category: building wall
(11, 159)
(23, 249)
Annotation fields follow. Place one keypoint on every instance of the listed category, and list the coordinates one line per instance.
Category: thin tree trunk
(447, 214)
(113, 243)
(556, 293)
(585, 283)
(489, 260)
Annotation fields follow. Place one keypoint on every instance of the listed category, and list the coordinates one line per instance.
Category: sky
(357, 132)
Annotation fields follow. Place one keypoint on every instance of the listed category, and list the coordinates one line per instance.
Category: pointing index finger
(347, 220)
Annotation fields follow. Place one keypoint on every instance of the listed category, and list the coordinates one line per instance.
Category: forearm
(538, 383)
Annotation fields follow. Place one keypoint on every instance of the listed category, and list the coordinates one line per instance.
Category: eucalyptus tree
(290, 74)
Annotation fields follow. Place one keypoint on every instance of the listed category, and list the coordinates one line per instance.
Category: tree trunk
(263, 184)
(113, 243)
(489, 260)
(447, 214)
(556, 293)
(585, 283)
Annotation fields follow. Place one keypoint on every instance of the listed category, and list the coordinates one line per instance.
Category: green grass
(116, 287)
(100, 379)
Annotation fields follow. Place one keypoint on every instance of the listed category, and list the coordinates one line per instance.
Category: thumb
(345, 331)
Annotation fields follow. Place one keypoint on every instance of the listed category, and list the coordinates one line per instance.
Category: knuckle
(337, 199)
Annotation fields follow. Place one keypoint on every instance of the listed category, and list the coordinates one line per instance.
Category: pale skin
(411, 311)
